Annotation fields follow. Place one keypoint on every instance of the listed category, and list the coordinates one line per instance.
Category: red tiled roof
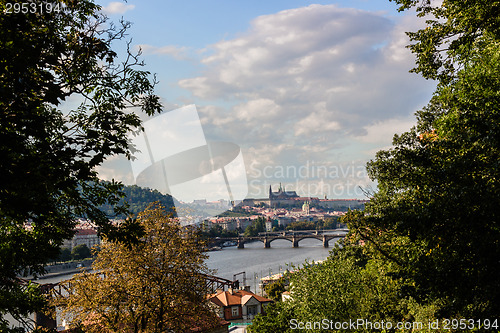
(225, 298)
(83, 232)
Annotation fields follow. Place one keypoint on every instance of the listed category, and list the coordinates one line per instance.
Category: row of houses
(280, 216)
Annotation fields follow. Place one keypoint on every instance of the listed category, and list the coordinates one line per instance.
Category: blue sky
(311, 86)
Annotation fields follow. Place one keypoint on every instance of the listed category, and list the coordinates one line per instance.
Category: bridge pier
(267, 243)
(325, 241)
(295, 242)
(241, 244)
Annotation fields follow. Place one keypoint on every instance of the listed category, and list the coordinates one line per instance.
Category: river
(255, 260)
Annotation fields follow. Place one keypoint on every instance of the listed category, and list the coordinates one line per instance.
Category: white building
(85, 236)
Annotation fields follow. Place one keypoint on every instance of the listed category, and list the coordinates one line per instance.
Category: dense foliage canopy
(49, 149)
(137, 199)
(443, 207)
(152, 286)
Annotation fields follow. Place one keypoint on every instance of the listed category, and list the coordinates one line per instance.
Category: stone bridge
(293, 236)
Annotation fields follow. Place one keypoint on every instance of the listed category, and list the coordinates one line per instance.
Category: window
(252, 310)
(234, 311)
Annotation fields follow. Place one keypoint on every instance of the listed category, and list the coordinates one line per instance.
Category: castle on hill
(282, 194)
(284, 198)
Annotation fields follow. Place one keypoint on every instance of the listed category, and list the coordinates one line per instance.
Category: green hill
(138, 199)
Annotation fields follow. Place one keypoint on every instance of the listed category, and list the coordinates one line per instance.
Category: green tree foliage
(275, 289)
(259, 225)
(80, 252)
(50, 152)
(342, 288)
(137, 199)
(65, 254)
(454, 30)
(152, 286)
(302, 225)
(328, 223)
(276, 319)
(442, 208)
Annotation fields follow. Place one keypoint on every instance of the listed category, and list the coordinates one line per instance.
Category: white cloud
(302, 82)
(353, 62)
(382, 132)
(116, 7)
(319, 120)
(257, 110)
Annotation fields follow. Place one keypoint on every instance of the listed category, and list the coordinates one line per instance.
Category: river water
(255, 260)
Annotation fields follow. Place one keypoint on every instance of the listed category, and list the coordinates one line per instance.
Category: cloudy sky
(309, 91)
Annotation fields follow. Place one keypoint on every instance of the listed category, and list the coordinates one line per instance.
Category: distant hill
(139, 198)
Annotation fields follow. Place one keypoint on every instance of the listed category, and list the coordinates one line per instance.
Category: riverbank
(61, 269)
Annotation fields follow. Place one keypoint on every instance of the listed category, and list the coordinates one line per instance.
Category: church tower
(306, 207)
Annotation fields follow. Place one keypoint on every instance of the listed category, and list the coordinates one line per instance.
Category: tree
(50, 152)
(329, 223)
(258, 225)
(65, 254)
(344, 287)
(152, 286)
(454, 30)
(436, 211)
(275, 289)
(276, 319)
(303, 225)
(138, 199)
(80, 252)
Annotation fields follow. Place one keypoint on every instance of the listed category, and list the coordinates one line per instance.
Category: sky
(308, 90)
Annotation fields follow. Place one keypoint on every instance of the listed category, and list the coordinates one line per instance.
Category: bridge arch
(276, 238)
(241, 241)
(328, 238)
(301, 237)
(269, 241)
